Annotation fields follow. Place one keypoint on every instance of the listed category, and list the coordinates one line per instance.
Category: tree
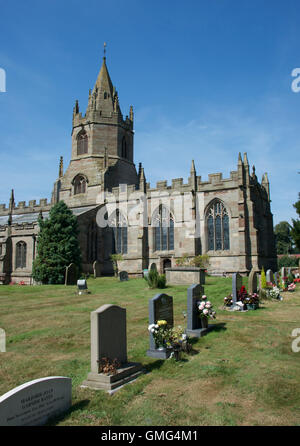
(295, 231)
(57, 247)
(284, 241)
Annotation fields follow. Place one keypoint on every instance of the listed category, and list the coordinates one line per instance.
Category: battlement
(22, 207)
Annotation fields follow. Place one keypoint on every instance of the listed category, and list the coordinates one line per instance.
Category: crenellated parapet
(22, 207)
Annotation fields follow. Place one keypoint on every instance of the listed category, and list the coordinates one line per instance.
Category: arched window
(118, 224)
(217, 221)
(21, 252)
(163, 229)
(92, 242)
(124, 148)
(80, 185)
(82, 143)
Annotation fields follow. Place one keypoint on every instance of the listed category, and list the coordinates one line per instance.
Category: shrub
(288, 261)
(155, 280)
(201, 261)
(263, 279)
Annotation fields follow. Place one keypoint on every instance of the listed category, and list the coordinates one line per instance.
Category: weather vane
(104, 48)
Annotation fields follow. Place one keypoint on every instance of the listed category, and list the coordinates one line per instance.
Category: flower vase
(204, 322)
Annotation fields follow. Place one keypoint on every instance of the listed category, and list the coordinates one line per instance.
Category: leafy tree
(288, 261)
(58, 245)
(295, 231)
(284, 241)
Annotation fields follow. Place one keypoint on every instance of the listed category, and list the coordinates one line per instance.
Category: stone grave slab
(160, 308)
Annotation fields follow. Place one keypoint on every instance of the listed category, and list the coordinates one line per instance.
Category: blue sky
(208, 79)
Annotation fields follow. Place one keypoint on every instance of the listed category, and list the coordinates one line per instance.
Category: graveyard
(241, 372)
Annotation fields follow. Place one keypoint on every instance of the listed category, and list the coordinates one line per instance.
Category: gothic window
(124, 148)
(92, 242)
(163, 229)
(119, 233)
(21, 251)
(82, 143)
(80, 185)
(217, 221)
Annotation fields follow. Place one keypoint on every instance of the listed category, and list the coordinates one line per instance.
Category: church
(118, 212)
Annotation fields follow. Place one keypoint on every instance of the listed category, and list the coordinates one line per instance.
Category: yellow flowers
(162, 322)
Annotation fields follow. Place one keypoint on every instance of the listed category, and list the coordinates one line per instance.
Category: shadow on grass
(78, 406)
(218, 327)
(155, 365)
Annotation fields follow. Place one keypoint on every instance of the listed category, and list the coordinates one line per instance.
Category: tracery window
(21, 253)
(80, 185)
(124, 148)
(217, 221)
(82, 143)
(163, 223)
(118, 224)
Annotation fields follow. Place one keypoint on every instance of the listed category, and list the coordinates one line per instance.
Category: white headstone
(35, 402)
(2, 341)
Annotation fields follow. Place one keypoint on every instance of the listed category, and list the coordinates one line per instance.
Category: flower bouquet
(274, 293)
(205, 311)
(228, 300)
(161, 333)
(252, 301)
(291, 287)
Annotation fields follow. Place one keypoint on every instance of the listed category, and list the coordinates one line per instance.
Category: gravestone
(196, 326)
(236, 286)
(71, 274)
(35, 402)
(2, 341)
(252, 282)
(82, 286)
(109, 340)
(97, 269)
(282, 271)
(276, 278)
(123, 276)
(145, 273)
(269, 276)
(160, 308)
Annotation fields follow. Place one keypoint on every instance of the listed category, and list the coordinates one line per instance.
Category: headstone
(71, 274)
(269, 276)
(276, 278)
(236, 286)
(109, 340)
(145, 273)
(123, 276)
(283, 274)
(196, 326)
(82, 286)
(97, 269)
(35, 402)
(2, 341)
(252, 282)
(160, 308)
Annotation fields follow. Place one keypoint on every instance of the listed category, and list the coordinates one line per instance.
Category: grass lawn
(243, 373)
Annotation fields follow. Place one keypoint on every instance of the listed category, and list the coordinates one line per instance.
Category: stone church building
(118, 212)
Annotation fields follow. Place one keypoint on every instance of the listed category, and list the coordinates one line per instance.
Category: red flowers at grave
(242, 294)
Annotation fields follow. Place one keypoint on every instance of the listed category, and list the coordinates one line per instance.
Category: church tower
(102, 147)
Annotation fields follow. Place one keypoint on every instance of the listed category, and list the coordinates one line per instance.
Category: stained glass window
(82, 143)
(217, 221)
(163, 229)
(119, 233)
(21, 253)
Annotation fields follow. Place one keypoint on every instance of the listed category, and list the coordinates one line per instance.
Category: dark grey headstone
(276, 278)
(71, 274)
(196, 326)
(236, 286)
(123, 276)
(252, 282)
(160, 308)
